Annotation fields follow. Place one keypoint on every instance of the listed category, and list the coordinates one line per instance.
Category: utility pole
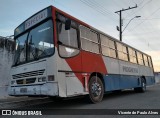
(120, 20)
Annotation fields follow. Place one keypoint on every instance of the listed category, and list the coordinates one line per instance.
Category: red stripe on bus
(87, 62)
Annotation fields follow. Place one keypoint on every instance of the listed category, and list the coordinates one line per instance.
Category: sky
(141, 33)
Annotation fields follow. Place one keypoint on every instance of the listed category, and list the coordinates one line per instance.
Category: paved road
(125, 100)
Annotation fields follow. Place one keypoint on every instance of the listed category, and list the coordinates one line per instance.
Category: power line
(93, 6)
(144, 20)
(117, 3)
(83, 16)
(98, 9)
(134, 12)
(120, 18)
(102, 7)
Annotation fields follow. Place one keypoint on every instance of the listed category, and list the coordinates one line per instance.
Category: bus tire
(143, 85)
(141, 89)
(96, 90)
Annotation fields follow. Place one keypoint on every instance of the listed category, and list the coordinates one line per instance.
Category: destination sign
(130, 69)
(36, 19)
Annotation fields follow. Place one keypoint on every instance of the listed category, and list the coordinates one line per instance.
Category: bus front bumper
(48, 89)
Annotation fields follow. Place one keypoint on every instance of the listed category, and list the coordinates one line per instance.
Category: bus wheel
(96, 90)
(143, 85)
(141, 89)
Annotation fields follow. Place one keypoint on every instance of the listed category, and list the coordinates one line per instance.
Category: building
(157, 77)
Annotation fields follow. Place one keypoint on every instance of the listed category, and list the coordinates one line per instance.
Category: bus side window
(120, 50)
(134, 57)
(130, 51)
(145, 60)
(140, 58)
(150, 62)
(125, 53)
(89, 40)
(108, 46)
(67, 40)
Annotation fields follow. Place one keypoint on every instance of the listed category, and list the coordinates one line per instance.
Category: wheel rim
(144, 86)
(96, 89)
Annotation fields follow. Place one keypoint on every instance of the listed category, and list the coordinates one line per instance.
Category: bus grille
(28, 74)
(26, 81)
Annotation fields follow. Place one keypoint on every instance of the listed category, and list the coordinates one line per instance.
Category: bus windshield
(35, 44)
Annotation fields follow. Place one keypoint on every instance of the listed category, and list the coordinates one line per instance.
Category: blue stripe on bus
(117, 82)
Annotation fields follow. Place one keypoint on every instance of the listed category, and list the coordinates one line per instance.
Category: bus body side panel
(112, 78)
(72, 72)
(92, 62)
(70, 80)
(118, 76)
(148, 74)
(118, 82)
(125, 75)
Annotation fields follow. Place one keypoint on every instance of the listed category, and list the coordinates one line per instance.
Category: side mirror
(67, 24)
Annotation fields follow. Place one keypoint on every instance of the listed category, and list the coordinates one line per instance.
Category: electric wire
(143, 20)
(139, 9)
(98, 9)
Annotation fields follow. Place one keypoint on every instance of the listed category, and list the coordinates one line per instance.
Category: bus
(59, 56)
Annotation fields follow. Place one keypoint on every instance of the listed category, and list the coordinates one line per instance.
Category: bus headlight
(13, 82)
(51, 78)
(41, 79)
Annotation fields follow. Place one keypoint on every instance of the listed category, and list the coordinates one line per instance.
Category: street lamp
(120, 29)
(130, 21)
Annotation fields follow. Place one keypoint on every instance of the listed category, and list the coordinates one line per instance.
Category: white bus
(59, 55)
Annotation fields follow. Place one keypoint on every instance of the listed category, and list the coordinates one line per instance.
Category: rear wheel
(141, 89)
(96, 90)
(143, 85)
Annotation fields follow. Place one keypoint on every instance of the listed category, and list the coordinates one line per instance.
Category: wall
(6, 60)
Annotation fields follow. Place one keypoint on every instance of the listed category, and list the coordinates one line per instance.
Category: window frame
(121, 51)
(29, 30)
(89, 40)
(150, 62)
(77, 31)
(145, 57)
(142, 59)
(131, 55)
(108, 47)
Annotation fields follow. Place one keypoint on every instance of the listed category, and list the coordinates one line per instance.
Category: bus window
(150, 62)
(108, 46)
(68, 42)
(132, 55)
(130, 51)
(145, 60)
(140, 58)
(122, 52)
(68, 37)
(125, 53)
(89, 40)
